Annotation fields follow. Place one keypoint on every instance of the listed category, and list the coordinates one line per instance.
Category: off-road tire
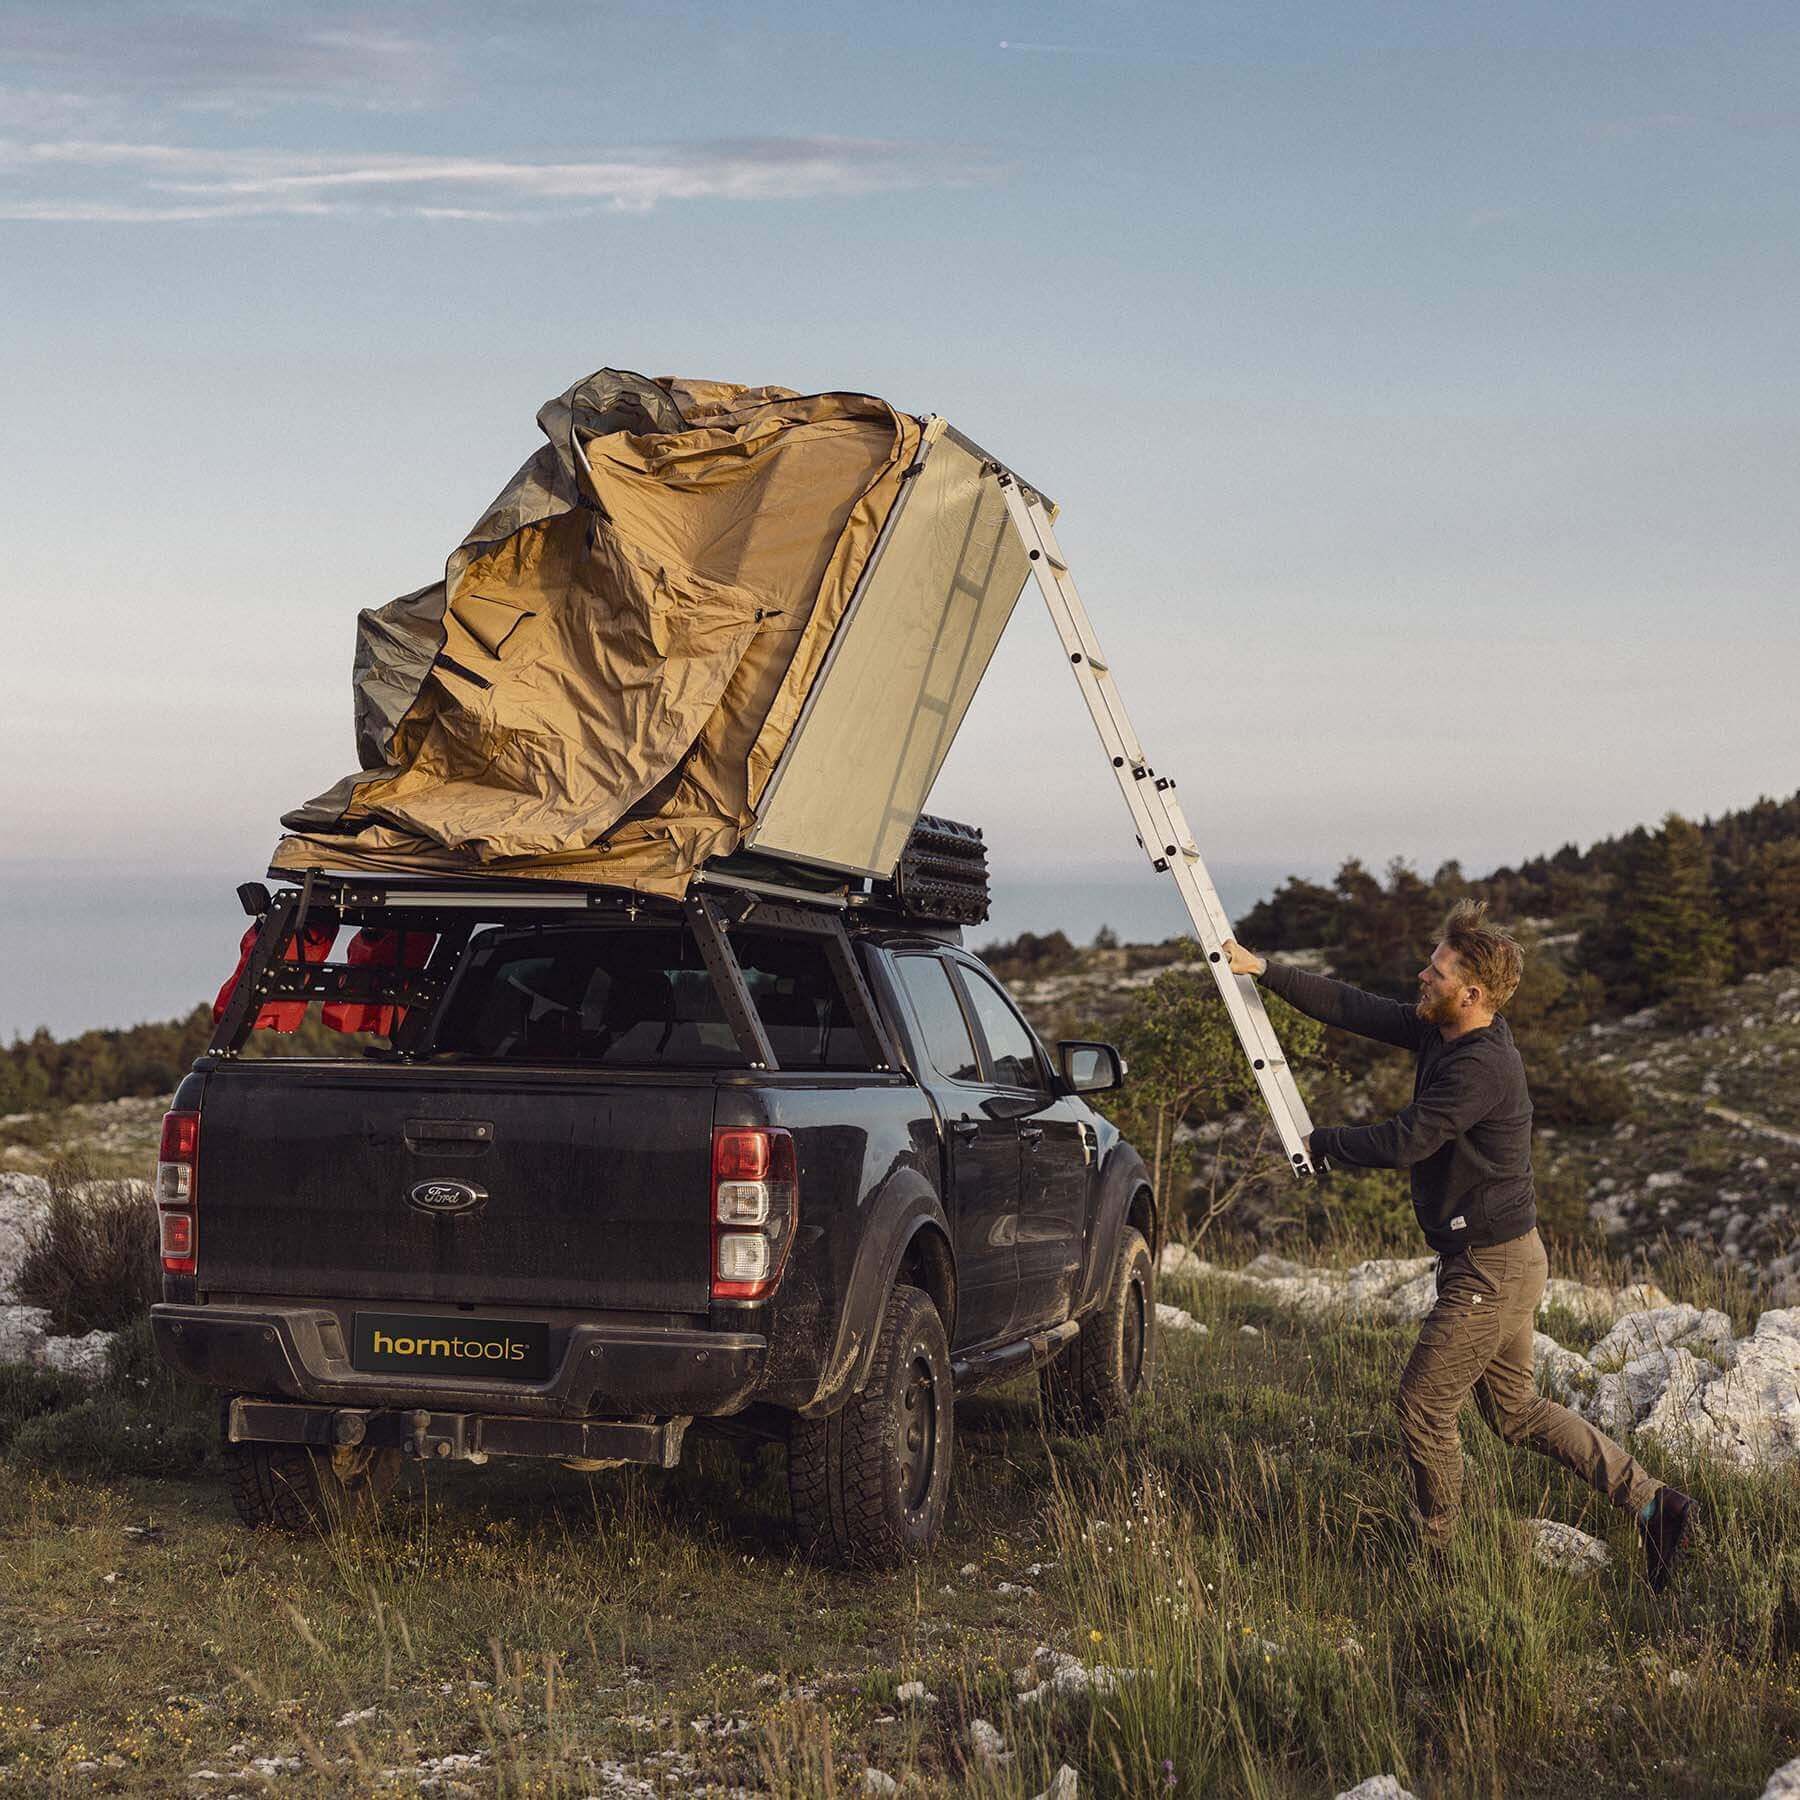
(288, 1488)
(869, 1482)
(1107, 1367)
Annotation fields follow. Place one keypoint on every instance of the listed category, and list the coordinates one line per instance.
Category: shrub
(93, 1262)
(1566, 1090)
(140, 1420)
(28, 1394)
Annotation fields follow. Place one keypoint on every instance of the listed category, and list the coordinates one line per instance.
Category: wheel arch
(1124, 1199)
(905, 1237)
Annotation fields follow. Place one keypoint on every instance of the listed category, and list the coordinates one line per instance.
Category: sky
(1417, 381)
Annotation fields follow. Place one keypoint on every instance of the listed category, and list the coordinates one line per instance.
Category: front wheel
(869, 1483)
(1103, 1371)
(286, 1487)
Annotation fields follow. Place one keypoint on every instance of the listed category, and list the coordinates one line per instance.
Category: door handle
(1031, 1133)
(965, 1128)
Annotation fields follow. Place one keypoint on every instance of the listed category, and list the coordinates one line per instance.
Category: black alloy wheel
(1109, 1366)
(869, 1483)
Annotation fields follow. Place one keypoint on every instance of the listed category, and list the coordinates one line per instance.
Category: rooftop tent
(701, 616)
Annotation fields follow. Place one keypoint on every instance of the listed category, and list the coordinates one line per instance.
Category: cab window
(1011, 1047)
(948, 1044)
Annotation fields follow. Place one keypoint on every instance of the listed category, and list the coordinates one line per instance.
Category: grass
(1241, 1548)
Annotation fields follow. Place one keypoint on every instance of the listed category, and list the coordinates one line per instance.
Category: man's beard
(1441, 1011)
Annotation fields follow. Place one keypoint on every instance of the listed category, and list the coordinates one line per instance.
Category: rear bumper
(468, 1437)
(298, 1352)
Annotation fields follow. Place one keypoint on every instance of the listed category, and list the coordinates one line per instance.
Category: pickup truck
(595, 1169)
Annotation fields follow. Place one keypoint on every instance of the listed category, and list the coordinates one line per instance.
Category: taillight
(176, 1161)
(755, 1207)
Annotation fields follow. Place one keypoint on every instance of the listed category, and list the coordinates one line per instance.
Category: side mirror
(1089, 1068)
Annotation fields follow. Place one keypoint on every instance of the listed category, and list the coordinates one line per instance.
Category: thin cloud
(239, 62)
(173, 183)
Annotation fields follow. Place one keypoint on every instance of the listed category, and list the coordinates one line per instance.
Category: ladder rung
(1162, 830)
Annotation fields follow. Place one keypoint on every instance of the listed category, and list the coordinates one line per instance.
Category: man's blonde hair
(1492, 959)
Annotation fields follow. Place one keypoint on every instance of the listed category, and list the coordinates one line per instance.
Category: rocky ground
(1711, 1150)
(117, 1137)
(1671, 1372)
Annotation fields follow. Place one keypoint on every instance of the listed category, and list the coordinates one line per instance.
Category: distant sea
(86, 945)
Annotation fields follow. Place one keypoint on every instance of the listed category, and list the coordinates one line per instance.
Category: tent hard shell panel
(901, 671)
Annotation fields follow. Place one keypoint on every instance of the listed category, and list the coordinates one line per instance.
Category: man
(1465, 1142)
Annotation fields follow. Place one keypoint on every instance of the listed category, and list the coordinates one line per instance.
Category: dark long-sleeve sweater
(1465, 1141)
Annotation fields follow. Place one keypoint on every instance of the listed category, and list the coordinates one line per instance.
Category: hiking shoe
(1665, 1533)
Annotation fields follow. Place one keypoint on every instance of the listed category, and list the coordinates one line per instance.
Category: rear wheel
(869, 1483)
(1108, 1364)
(286, 1487)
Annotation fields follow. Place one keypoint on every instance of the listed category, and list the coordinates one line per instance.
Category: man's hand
(1244, 962)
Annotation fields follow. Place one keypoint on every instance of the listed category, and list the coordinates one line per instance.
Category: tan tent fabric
(600, 686)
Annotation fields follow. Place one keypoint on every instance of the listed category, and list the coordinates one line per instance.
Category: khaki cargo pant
(1478, 1336)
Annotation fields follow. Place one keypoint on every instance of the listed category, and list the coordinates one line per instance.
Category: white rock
(1065, 1784)
(914, 1693)
(23, 1331)
(1559, 1546)
(969, 1570)
(23, 1199)
(1178, 1260)
(1640, 1296)
(1378, 1787)
(83, 1356)
(1376, 1283)
(1562, 1374)
(1248, 1331)
(1062, 1676)
(1413, 1299)
(1661, 1328)
(1747, 1415)
(1267, 1266)
(879, 1781)
(987, 1743)
(1172, 1318)
(1784, 1784)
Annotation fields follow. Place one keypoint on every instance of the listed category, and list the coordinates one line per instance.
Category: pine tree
(1680, 945)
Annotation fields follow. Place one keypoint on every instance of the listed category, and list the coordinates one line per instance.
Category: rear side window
(940, 1016)
(798, 1001)
(642, 996)
(1009, 1039)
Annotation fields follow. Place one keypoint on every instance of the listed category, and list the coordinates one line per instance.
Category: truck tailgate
(596, 1190)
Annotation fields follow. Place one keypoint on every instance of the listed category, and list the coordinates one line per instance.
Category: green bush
(140, 1419)
(1568, 1090)
(93, 1263)
(27, 1395)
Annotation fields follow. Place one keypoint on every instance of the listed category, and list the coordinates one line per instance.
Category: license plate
(405, 1344)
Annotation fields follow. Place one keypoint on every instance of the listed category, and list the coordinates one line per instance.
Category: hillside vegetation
(1218, 1599)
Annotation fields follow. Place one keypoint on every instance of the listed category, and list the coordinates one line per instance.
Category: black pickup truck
(595, 1170)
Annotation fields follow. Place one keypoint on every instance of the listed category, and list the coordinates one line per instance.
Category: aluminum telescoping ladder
(1161, 828)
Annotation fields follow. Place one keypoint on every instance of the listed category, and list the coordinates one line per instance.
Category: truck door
(981, 1150)
(1053, 1155)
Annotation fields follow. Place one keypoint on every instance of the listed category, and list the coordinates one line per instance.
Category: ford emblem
(446, 1198)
